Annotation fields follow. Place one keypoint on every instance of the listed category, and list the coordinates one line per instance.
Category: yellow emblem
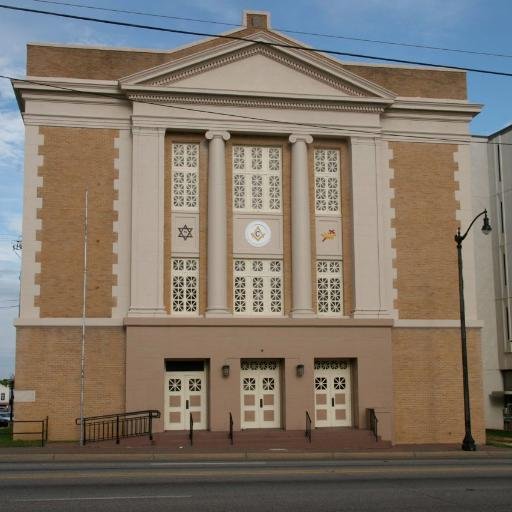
(328, 235)
(258, 234)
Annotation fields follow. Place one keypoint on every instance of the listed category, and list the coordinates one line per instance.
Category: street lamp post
(468, 444)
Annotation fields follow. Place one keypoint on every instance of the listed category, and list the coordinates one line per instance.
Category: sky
(457, 24)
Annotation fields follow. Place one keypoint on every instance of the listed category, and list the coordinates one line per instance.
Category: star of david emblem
(185, 232)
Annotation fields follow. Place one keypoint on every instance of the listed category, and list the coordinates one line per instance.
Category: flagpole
(84, 302)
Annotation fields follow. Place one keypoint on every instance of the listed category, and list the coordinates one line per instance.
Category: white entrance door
(185, 394)
(332, 394)
(260, 394)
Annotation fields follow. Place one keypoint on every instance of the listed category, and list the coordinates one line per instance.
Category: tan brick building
(255, 207)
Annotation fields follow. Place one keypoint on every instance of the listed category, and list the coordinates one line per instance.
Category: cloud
(417, 20)
(12, 133)
(8, 68)
(13, 223)
(91, 35)
(221, 10)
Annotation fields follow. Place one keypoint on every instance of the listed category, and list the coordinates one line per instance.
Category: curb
(249, 456)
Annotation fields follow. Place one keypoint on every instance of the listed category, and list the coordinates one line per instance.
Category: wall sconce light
(300, 370)
(225, 370)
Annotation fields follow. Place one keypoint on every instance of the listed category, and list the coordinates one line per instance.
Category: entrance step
(328, 439)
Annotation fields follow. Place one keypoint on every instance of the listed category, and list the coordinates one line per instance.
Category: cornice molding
(231, 321)
(257, 102)
(76, 121)
(68, 322)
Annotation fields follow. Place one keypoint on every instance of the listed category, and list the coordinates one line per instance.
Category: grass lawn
(7, 442)
(501, 438)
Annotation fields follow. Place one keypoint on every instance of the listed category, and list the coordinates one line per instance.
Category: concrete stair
(335, 439)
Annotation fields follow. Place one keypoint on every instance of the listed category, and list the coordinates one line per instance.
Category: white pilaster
(387, 234)
(465, 215)
(122, 226)
(217, 225)
(301, 239)
(367, 232)
(31, 224)
(147, 265)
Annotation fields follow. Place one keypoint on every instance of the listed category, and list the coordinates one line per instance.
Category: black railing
(117, 426)
(191, 430)
(43, 432)
(230, 435)
(373, 423)
(308, 426)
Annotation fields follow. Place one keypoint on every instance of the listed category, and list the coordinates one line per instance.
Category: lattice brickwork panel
(257, 179)
(185, 177)
(329, 287)
(185, 285)
(258, 287)
(327, 181)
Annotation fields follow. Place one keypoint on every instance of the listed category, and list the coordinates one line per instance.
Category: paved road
(395, 485)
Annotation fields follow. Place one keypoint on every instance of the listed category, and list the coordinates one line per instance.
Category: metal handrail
(43, 432)
(191, 432)
(308, 426)
(117, 426)
(373, 423)
(230, 435)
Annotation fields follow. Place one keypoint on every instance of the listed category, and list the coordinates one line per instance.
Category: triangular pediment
(257, 68)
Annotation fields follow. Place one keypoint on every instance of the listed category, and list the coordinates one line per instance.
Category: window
(498, 160)
(327, 181)
(329, 288)
(502, 220)
(504, 269)
(2, 396)
(185, 285)
(258, 287)
(185, 177)
(507, 324)
(257, 179)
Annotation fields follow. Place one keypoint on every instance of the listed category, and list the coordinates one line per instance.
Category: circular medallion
(258, 233)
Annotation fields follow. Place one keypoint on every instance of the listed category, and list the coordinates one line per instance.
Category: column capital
(297, 137)
(215, 134)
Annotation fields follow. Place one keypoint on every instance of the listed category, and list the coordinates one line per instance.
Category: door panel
(185, 395)
(260, 394)
(332, 394)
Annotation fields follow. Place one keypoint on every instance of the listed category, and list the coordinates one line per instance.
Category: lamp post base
(468, 445)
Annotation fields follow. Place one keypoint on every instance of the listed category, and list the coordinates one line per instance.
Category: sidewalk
(125, 452)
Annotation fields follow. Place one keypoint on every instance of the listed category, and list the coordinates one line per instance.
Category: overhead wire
(263, 43)
(280, 29)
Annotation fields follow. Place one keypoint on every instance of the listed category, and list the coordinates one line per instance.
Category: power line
(263, 43)
(139, 13)
(287, 30)
(348, 131)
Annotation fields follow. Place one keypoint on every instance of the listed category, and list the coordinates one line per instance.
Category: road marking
(256, 472)
(86, 498)
(198, 464)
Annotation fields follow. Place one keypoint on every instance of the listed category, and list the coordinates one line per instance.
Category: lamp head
(486, 228)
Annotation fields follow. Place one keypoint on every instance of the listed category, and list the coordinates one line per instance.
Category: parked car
(5, 418)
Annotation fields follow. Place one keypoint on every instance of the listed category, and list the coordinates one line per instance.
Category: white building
(492, 185)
